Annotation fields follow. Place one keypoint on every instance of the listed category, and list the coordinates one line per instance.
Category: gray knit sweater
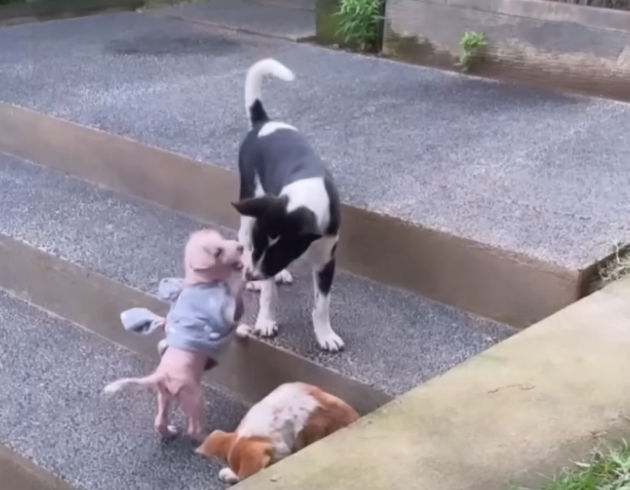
(200, 318)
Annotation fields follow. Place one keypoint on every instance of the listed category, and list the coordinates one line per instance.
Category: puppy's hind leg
(163, 414)
(191, 399)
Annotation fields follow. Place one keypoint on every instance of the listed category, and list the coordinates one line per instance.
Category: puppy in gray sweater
(205, 308)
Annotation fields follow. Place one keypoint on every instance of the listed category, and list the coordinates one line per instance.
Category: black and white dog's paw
(266, 327)
(284, 277)
(329, 341)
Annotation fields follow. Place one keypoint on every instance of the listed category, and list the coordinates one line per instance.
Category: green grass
(608, 470)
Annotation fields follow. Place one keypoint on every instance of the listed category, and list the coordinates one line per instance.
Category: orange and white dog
(291, 417)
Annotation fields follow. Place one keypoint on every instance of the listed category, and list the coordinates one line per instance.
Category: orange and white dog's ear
(251, 457)
(217, 445)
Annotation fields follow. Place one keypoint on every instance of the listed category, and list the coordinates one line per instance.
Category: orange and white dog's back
(291, 417)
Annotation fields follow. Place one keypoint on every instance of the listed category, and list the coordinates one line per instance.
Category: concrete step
(483, 195)
(269, 18)
(54, 413)
(395, 339)
(20, 473)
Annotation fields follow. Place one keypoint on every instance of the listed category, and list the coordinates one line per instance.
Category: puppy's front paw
(266, 327)
(330, 341)
(161, 347)
(226, 475)
(253, 285)
(243, 331)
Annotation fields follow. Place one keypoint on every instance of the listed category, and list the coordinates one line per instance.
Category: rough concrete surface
(263, 18)
(395, 340)
(522, 169)
(53, 410)
(508, 418)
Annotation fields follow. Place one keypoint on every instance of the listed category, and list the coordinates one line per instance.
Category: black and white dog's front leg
(266, 324)
(322, 258)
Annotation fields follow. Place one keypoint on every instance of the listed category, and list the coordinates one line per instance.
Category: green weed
(359, 23)
(470, 47)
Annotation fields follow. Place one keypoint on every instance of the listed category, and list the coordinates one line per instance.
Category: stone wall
(570, 46)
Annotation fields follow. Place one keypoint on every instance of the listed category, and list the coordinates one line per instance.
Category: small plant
(605, 470)
(358, 22)
(470, 47)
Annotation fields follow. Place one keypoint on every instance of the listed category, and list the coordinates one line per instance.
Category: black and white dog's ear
(253, 207)
(256, 207)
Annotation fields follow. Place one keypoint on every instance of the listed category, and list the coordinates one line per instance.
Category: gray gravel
(522, 169)
(53, 411)
(395, 340)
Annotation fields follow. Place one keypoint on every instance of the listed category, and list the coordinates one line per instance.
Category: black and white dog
(289, 207)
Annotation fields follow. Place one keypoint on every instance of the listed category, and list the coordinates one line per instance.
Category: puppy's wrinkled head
(211, 257)
(278, 236)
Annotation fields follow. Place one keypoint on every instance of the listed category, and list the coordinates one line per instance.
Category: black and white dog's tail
(253, 104)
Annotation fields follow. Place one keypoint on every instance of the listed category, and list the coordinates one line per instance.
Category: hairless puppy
(205, 308)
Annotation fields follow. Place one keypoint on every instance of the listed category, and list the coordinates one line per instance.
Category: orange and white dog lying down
(291, 417)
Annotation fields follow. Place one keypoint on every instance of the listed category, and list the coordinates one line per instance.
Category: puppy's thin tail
(253, 82)
(148, 381)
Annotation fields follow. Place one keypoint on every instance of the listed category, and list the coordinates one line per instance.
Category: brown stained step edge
(492, 283)
(250, 368)
(18, 473)
(20, 13)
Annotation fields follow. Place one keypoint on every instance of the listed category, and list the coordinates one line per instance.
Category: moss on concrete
(416, 50)
(327, 24)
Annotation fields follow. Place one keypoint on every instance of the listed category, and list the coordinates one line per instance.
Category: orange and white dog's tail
(149, 381)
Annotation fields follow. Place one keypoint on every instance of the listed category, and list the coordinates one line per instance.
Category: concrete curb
(520, 410)
(19, 473)
(214, 14)
(21, 13)
(496, 284)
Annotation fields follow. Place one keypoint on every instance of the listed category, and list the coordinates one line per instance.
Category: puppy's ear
(215, 252)
(217, 445)
(255, 207)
